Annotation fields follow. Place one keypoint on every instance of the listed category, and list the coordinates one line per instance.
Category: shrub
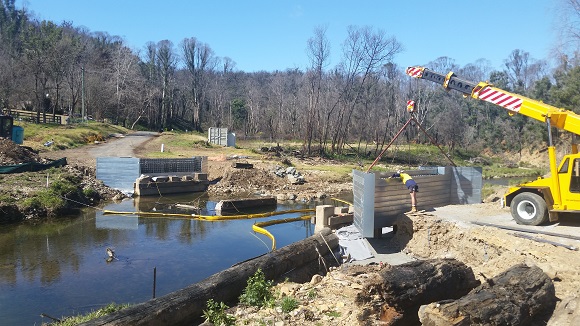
(216, 314)
(257, 292)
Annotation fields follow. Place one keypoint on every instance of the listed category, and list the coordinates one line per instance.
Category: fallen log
(517, 296)
(185, 306)
(404, 288)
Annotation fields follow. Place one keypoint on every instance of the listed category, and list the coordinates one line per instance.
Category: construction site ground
(445, 232)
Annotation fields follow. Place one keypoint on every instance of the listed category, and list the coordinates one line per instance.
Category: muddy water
(60, 268)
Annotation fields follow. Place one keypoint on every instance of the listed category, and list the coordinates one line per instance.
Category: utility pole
(83, 93)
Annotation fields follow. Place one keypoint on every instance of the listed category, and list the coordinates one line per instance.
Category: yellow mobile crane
(531, 203)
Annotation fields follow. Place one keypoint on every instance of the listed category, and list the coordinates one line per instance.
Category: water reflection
(60, 267)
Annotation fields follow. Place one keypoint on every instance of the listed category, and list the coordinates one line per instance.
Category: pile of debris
(293, 176)
(12, 153)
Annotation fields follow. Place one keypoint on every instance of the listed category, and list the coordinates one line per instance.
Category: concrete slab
(384, 251)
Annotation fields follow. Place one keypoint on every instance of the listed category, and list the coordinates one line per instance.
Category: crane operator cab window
(575, 175)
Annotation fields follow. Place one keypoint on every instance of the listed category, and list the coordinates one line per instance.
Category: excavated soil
(261, 180)
(11, 153)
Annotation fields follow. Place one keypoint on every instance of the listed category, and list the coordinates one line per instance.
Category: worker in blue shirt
(411, 185)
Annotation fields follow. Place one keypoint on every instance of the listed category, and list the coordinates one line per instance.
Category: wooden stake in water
(154, 280)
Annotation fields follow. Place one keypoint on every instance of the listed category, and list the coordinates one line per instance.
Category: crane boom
(514, 103)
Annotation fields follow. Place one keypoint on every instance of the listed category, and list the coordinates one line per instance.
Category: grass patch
(75, 320)
(30, 193)
(331, 172)
(52, 199)
(488, 189)
(312, 294)
(67, 136)
(333, 313)
(188, 145)
(497, 170)
(288, 304)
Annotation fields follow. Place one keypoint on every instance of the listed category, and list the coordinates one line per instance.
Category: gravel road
(120, 146)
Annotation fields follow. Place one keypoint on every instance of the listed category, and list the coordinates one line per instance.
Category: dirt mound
(263, 180)
(12, 153)
(250, 178)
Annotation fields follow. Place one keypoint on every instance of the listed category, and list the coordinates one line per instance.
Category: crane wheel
(529, 209)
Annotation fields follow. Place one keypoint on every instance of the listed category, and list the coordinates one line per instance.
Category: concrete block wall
(379, 200)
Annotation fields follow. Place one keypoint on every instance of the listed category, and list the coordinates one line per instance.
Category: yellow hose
(257, 227)
(265, 232)
(250, 216)
(210, 217)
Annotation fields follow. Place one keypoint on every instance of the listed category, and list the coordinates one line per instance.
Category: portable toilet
(18, 134)
(6, 122)
(231, 139)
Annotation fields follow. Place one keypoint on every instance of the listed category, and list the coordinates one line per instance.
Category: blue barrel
(18, 134)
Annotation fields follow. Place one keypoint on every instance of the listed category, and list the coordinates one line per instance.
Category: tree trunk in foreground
(519, 296)
(404, 288)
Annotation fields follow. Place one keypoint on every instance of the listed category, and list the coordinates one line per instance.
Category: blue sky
(272, 34)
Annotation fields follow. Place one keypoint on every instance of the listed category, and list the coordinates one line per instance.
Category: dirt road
(119, 146)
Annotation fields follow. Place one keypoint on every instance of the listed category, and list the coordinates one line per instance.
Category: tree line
(357, 105)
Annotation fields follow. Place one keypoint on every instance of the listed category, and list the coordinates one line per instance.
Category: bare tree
(167, 61)
(318, 51)
(567, 26)
(516, 68)
(365, 52)
(200, 61)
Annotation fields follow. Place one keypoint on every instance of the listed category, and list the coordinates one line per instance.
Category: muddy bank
(49, 193)
(35, 196)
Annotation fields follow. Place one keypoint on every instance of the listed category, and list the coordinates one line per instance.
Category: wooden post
(154, 280)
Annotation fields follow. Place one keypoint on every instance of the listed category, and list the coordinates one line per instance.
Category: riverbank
(49, 193)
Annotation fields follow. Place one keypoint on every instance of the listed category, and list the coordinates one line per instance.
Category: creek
(60, 267)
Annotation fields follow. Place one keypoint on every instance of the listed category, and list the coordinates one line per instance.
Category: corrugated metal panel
(438, 186)
(363, 192)
(466, 185)
(118, 172)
